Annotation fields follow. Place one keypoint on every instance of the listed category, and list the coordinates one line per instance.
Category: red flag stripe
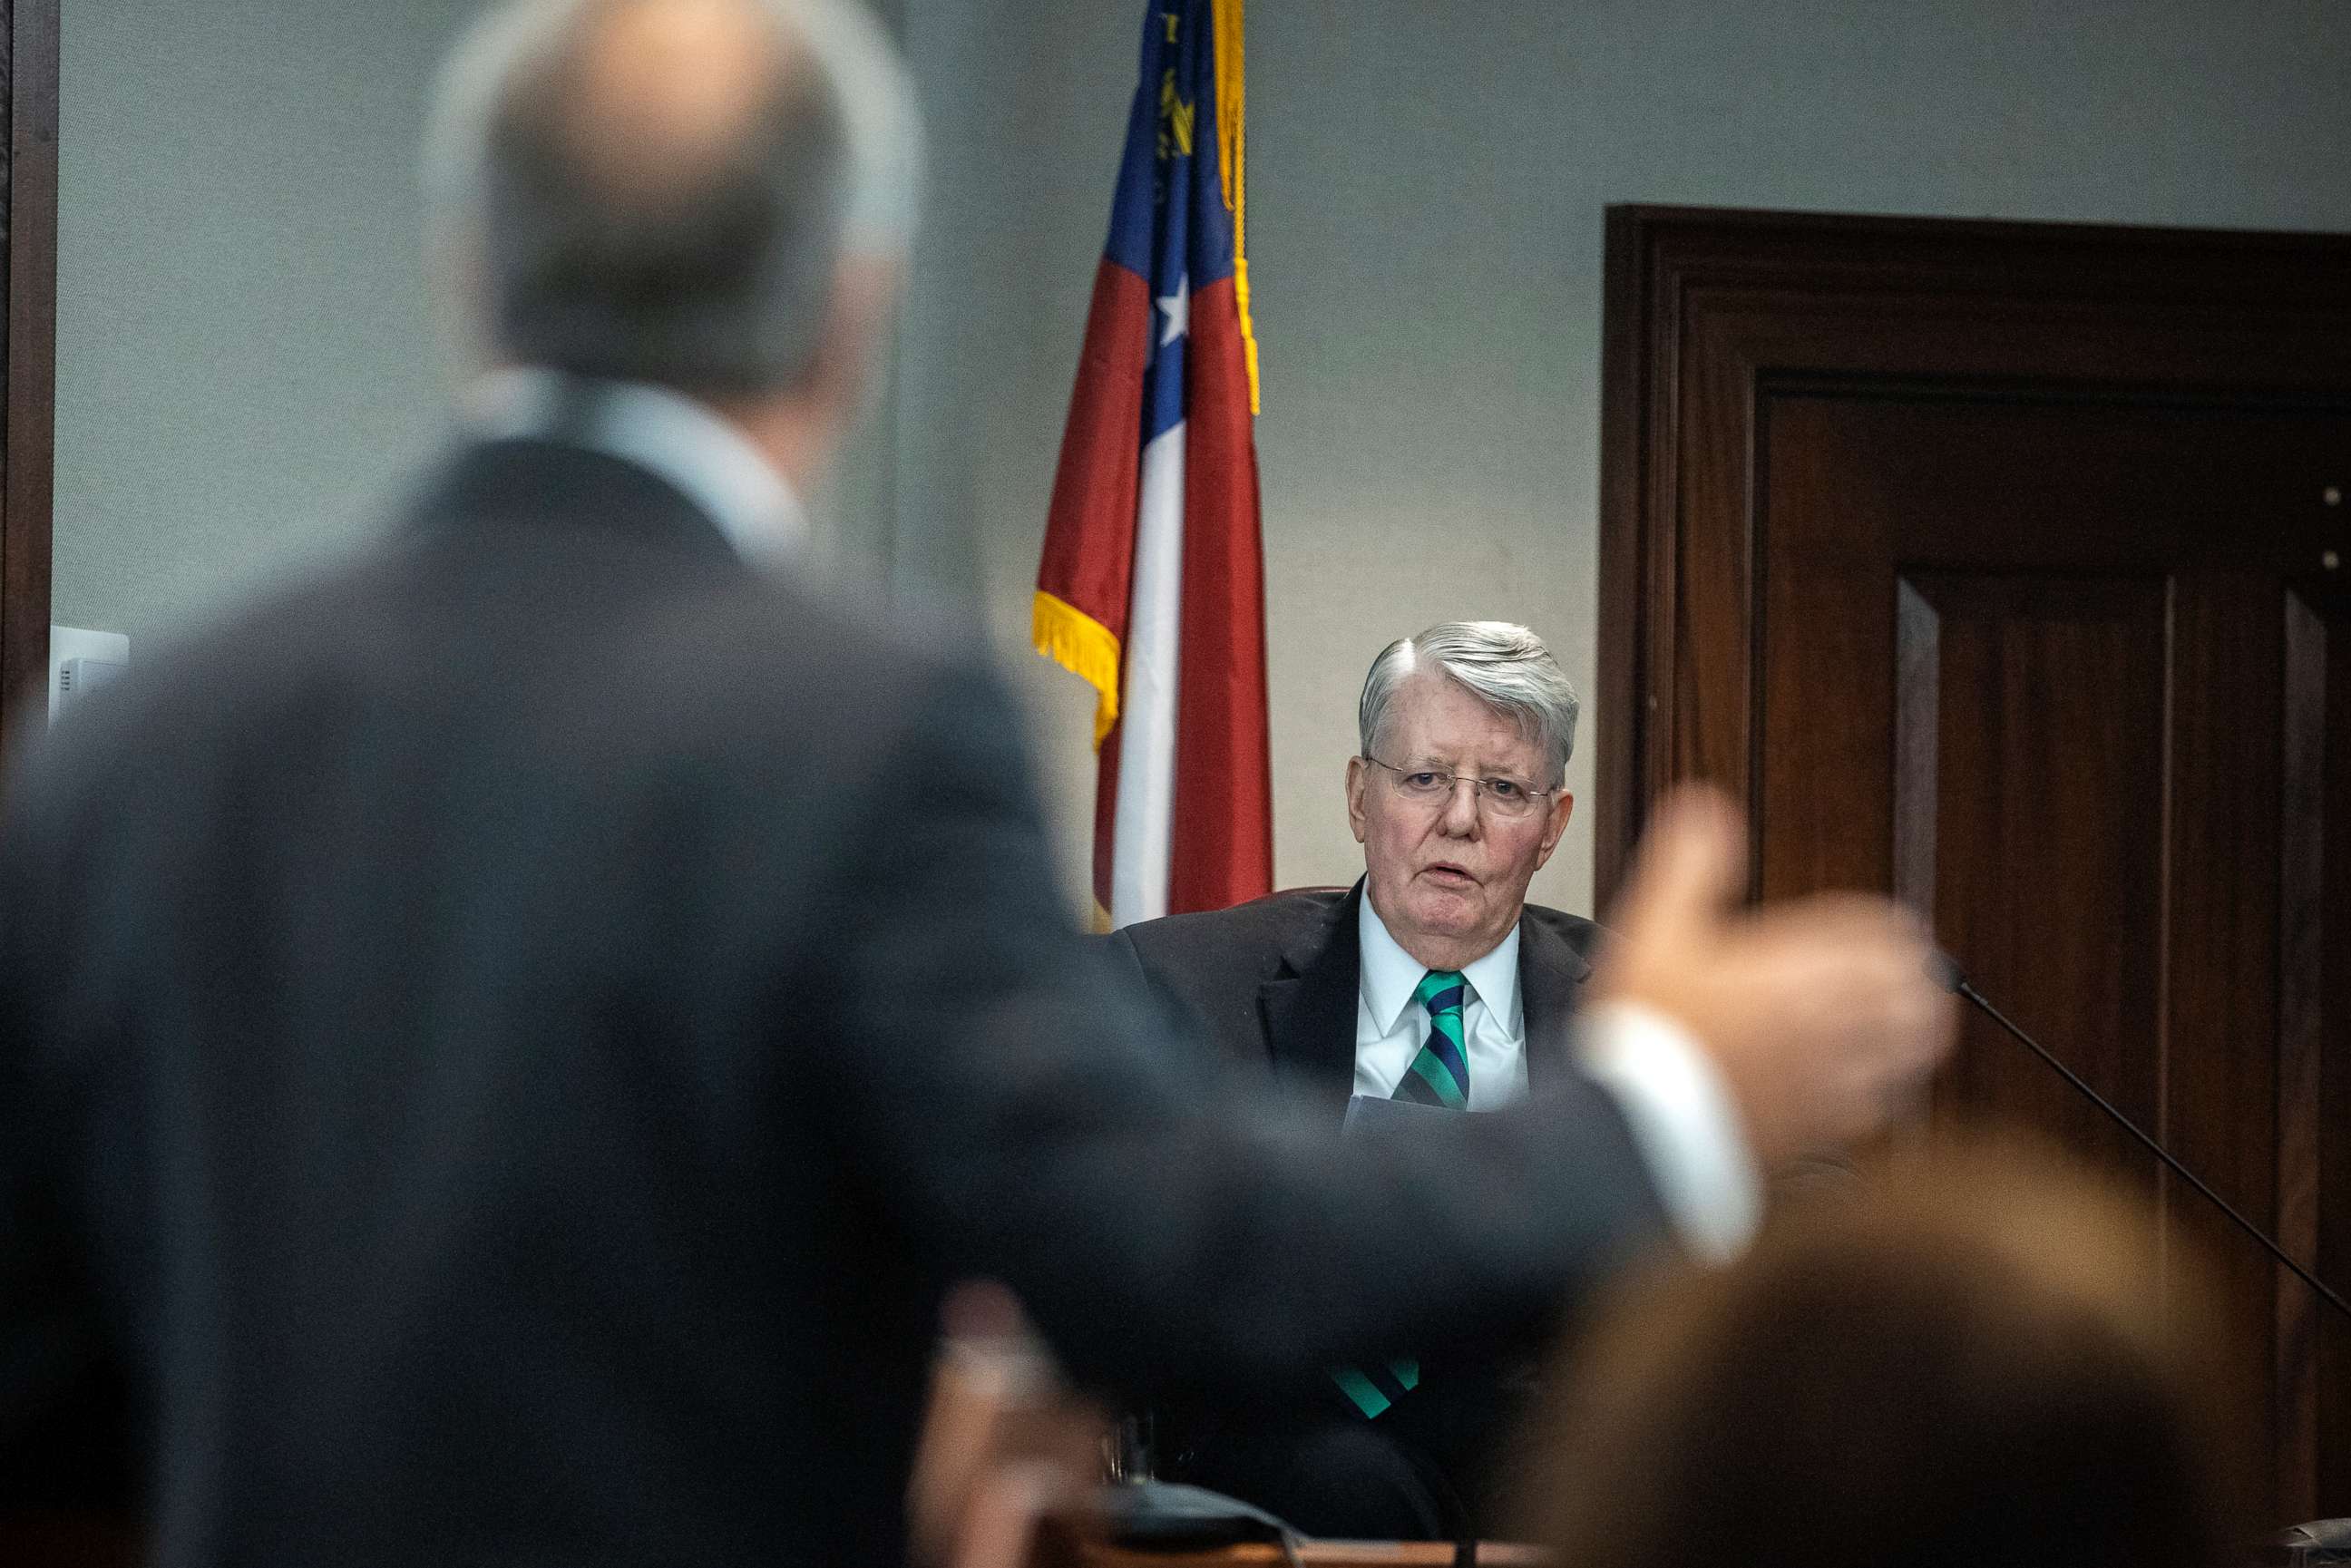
(1223, 840)
(1088, 556)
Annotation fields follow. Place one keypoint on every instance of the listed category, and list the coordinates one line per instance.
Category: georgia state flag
(1152, 582)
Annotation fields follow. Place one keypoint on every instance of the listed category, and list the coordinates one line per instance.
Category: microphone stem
(1960, 984)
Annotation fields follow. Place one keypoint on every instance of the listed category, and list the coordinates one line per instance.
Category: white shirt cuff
(1684, 1121)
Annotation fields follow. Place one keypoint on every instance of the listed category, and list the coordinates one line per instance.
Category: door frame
(1709, 312)
(1706, 307)
(29, 276)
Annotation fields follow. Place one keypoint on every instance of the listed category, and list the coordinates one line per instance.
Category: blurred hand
(1003, 1441)
(1820, 1013)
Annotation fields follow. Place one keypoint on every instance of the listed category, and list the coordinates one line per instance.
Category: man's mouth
(1448, 875)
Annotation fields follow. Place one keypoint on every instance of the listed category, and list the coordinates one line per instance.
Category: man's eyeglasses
(1433, 786)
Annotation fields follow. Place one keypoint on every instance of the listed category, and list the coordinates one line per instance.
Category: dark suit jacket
(508, 1039)
(1274, 983)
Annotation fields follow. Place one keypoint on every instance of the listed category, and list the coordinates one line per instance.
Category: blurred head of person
(1975, 1361)
(1458, 794)
(712, 196)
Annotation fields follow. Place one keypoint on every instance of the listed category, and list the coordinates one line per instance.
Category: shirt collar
(663, 432)
(1390, 975)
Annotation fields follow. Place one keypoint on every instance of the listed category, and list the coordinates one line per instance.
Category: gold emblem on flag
(1175, 119)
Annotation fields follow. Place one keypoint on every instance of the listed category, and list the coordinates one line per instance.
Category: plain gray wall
(245, 364)
(244, 356)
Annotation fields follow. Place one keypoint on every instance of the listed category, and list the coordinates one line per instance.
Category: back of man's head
(1974, 1361)
(666, 190)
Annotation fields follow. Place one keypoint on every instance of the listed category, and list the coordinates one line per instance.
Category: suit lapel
(1551, 981)
(1309, 1008)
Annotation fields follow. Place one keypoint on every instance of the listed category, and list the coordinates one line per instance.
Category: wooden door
(2004, 567)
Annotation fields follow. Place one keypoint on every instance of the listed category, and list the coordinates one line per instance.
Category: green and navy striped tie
(1440, 1076)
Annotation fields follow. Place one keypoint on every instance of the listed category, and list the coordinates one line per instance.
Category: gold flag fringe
(1232, 162)
(1083, 646)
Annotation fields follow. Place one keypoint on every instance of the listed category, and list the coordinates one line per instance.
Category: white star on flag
(1177, 308)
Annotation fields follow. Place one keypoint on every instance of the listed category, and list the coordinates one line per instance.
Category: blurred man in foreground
(509, 1040)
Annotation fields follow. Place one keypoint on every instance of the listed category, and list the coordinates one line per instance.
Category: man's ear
(800, 427)
(850, 355)
(849, 364)
(1561, 810)
(1358, 780)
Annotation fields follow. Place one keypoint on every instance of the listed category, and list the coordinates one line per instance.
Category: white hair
(883, 120)
(1501, 663)
(720, 280)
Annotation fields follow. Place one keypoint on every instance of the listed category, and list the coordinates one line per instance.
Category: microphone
(1948, 973)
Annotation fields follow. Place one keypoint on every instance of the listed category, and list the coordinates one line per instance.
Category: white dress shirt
(663, 432)
(1683, 1119)
(1391, 1025)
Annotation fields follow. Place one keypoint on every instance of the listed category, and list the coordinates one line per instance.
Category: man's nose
(1461, 813)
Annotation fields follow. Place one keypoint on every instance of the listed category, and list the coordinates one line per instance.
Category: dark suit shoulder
(1584, 936)
(1252, 938)
(1209, 969)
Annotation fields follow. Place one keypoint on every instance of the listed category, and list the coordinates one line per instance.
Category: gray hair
(1502, 664)
(713, 272)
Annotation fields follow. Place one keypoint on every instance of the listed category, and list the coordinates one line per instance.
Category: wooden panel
(2049, 707)
(2315, 1050)
(2220, 1042)
(1821, 734)
(2332, 981)
(1706, 734)
(2068, 753)
(1711, 311)
(1969, 553)
(1918, 745)
(2045, 482)
(27, 400)
(2302, 1016)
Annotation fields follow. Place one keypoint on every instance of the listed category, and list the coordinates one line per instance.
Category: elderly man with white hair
(1433, 983)
(509, 1039)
